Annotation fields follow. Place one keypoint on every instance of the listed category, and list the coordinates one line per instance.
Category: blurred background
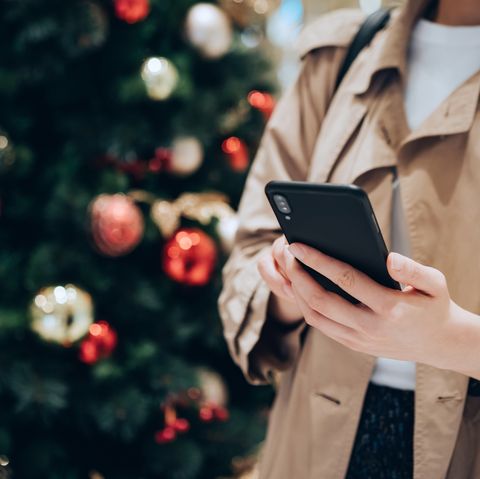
(127, 128)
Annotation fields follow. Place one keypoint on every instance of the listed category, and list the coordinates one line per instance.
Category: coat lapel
(340, 126)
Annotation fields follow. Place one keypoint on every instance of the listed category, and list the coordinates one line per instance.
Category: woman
(386, 389)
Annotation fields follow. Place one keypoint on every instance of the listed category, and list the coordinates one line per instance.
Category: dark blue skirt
(383, 447)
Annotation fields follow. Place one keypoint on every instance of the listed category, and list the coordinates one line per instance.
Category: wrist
(283, 311)
(466, 359)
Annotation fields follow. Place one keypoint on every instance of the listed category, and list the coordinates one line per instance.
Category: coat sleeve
(255, 343)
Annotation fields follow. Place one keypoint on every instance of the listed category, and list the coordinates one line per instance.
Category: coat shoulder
(334, 29)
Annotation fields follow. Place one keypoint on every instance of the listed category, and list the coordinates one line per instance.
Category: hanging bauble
(252, 36)
(116, 224)
(165, 435)
(160, 76)
(173, 425)
(166, 216)
(5, 471)
(161, 160)
(132, 11)
(214, 396)
(226, 229)
(209, 30)
(183, 158)
(7, 153)
(99, 344)
(237, 153)
(61, 314)
(187, 155)
(212, 386)
(189, 257)
(248, 12)
(262, 101)
(203, 207)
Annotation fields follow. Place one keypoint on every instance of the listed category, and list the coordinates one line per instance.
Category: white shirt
(440, 59)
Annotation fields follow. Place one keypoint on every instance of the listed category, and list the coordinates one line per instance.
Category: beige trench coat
(359, 136)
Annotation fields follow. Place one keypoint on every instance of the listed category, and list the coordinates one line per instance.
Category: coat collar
(389, 50)
(455, 115)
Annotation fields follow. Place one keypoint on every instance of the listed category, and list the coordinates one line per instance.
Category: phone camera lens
(282, 203)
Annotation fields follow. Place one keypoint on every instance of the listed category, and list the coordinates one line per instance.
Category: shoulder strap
(375, 22)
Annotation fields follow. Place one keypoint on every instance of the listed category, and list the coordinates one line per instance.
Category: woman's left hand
(420, 323)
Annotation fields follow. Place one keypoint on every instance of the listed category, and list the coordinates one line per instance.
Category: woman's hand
(272, 268)
(420, 323)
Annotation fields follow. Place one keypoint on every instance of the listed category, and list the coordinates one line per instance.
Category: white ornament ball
(209, 29)
(160, 77)
(213, 387)
(187, 155)
(226, 230)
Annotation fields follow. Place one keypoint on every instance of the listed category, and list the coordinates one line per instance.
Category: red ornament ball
(206, 413)
(181, 425)
(236, 152)
(116, 223)
(262, 101)
(99, 344)
(132, 11)
(167, 434)
(221, 413)
(189, 257)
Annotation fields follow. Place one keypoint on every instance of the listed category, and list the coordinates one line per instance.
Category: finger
(424, 278)
(325, 302)
(351, 280)
(279, 251)
(280, 270)
(277, 283)
(339, 332)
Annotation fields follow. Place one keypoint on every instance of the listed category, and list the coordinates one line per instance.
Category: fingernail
(397, 262)
(287, 289)
(296, 250)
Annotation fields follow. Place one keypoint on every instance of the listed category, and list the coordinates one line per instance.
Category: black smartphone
(335, 219)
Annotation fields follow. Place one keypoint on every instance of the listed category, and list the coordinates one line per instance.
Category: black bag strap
(375, 22)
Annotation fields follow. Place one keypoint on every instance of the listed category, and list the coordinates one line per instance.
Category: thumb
(407, 271)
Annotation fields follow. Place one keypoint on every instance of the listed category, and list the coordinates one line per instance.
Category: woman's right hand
(272, 267)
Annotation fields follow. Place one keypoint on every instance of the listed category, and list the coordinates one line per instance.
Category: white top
(440, 59)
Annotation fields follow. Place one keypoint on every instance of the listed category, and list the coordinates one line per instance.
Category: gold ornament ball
(61, 314)
(209, 30)
(166, 216)
(160, 76)
(187, 155)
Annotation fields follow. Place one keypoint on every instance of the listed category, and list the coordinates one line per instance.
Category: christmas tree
(126, 131)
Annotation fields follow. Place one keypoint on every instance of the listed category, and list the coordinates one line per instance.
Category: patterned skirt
(383, 447)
